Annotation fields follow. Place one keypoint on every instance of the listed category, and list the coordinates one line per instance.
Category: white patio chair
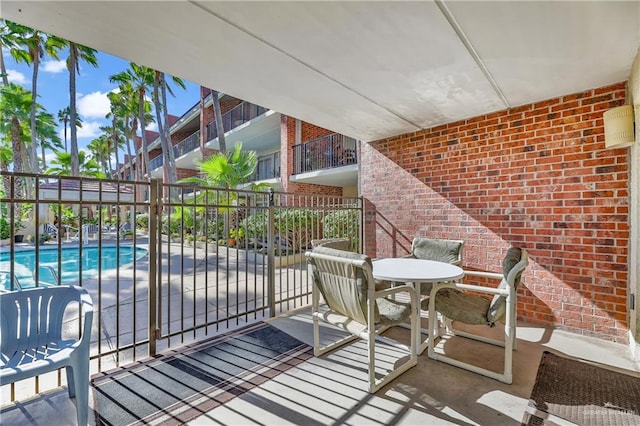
(449, 251)
(346, 283)
(336, 243)
(454, 302)
(51, 229)
(32, 341)
(88, 230)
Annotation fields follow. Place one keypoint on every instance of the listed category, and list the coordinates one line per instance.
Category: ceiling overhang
(369, 70)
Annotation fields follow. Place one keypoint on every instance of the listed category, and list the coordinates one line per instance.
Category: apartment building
(293, 155)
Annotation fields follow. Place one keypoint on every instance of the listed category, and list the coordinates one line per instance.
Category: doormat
(178, 386)
(569, 390)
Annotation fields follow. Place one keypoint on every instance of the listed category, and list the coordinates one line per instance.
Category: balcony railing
(187, 145)
(235, 117)
(325, 152)
(268, 167)
(156, 163)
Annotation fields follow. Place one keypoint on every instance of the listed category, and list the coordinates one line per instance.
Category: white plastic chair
(345, 280)
(51, 229)
(31, 341)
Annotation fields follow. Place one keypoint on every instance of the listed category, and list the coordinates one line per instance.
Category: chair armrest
(483, 274)
(87, 307)
(397, 289)
(469, 287)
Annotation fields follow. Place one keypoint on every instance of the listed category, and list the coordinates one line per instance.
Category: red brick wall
(185, 173)
(536, 176)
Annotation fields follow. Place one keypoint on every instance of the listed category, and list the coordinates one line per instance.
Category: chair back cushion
(449, 251)
(335, 243)
(513, 264)
(342, 284)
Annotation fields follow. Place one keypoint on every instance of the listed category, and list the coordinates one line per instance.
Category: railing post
(154, 212)
(271, 243)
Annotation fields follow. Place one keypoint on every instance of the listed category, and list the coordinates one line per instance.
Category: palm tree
(64, 117)
(227, 170)
(114, 135)
(121, 118)
(37, 44)
(162, 118)
(124, 106)
(100, 149)
(6, 155)
(46, 134)
(15, 106)
(7, 40)
(217, 113)
(139, 78)
(61, 165)
(77, 54)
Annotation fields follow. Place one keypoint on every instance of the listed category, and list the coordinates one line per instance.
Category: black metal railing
(187, 145)
(325, 152)
(156, 163)
(268, 167)
(169, 272)
(235, 117)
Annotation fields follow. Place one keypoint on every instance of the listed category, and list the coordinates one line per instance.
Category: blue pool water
(69, 260)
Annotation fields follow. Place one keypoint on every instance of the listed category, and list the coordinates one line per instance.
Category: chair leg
(80, 373)
(70, 382)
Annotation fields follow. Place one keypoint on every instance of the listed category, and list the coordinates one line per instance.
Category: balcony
(325, 152)
(204, 288)
(268, 167)
(187, 145)
(235, 117)
(156, 163)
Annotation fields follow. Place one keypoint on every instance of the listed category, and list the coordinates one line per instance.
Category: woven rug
(583, 393)
(178, 386)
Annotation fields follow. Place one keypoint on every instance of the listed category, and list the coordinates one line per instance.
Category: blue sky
(92, 86)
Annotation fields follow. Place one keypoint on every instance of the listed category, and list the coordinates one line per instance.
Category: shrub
(142, 221)
(5, 229)
(343, 224)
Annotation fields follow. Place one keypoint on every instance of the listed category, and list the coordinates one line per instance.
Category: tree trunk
(33, 152)
(44, 158)
(144, 167)
(162, 118)
(116, 149)
(73, 116)
(3, 68)
(18, 150)
(203, 125)
(130, 152)
(219, 124)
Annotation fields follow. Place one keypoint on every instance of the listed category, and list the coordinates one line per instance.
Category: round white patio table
(416, 271)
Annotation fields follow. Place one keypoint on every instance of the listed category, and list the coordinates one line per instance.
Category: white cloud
(89, 129)
(152, 126)
(94, 105)
(54, 67)
(16, 77)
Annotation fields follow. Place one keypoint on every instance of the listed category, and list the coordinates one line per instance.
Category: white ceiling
(369, 70)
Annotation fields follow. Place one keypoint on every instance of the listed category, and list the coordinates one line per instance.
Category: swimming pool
(68, 258)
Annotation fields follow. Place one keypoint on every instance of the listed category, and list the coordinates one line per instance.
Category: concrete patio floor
(332, 389)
